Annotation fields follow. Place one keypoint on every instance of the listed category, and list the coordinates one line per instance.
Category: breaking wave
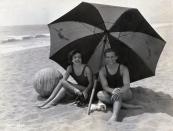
(24, 37)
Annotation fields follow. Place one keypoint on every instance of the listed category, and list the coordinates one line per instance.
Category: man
(115, 81)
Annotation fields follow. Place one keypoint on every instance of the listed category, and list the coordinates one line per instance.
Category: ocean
(17, 38)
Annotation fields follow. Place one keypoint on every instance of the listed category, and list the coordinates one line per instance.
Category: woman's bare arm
(67, 73)
(89, 75)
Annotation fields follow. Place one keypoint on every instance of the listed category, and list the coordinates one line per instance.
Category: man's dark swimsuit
(115, 80)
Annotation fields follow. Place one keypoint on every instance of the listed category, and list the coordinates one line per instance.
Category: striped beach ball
(46, 80)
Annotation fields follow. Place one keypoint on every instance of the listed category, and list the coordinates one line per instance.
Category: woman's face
(110, 58)
(77, 58)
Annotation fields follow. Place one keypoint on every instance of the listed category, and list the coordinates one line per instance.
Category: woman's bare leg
(60, 91)
(54, 93)
(67, 87)
(72, 88)
(60, 95)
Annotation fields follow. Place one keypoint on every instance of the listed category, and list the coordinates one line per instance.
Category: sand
(18, 97)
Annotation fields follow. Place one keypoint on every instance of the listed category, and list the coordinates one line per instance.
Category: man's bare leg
(116, 108)
(128, 96)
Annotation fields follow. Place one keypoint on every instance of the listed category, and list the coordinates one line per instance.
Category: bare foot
(112, 119)
(47, 106)
(39, 106)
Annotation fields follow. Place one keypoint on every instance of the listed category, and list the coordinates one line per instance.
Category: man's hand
(116, 91)
(116, 94)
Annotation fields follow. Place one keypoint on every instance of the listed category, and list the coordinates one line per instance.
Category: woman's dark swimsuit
(115, 80)
(81, 79)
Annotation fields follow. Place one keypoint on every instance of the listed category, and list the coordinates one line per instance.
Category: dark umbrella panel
(92, 28)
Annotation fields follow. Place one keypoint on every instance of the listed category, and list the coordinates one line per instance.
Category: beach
(18, 98)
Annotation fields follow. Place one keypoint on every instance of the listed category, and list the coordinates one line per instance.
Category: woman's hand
(85, 93)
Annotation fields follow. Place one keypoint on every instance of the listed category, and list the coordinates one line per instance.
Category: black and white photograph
(72, 65)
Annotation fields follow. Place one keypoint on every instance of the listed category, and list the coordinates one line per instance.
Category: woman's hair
(71, 54)
(109, 50)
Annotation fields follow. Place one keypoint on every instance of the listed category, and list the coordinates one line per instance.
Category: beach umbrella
(91, 28)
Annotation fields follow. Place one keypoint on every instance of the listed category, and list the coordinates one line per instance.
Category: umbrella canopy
(91, 28)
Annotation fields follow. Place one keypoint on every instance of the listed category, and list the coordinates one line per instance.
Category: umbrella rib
(139, 23)
(83, 24)
(88, 28)
(128, 32)
(60, 35)
(119, 18)
(84, 12)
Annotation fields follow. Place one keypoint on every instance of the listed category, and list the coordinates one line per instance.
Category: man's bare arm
(104, 82)
(126, 79)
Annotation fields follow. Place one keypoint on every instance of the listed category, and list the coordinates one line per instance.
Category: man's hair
(109, 50)
(71, 54)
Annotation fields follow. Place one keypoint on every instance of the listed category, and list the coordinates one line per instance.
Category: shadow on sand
(153, 102)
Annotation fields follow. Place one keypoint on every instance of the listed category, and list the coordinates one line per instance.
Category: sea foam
(24, 37)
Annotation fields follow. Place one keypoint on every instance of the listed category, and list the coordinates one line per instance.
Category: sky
(29, 12)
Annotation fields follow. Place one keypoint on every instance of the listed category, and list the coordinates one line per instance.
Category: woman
(80, 72)
(115, 81)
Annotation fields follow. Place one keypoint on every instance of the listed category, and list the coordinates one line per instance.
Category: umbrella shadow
(152, 102)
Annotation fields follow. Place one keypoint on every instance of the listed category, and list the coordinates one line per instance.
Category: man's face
(110, 58)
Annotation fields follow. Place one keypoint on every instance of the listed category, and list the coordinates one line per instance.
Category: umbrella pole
(95, 81)
(92, 95)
